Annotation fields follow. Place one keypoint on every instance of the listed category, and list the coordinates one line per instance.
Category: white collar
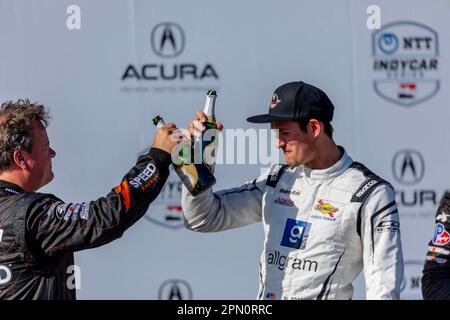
(335, 170)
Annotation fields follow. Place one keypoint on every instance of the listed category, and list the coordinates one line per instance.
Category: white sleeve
(382, 248)
(225, 209)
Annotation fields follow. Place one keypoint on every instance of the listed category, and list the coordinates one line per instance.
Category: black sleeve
(54, 226)
(436, 271)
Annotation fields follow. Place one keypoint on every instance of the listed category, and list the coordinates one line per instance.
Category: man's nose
(279, 143)
(52, 153)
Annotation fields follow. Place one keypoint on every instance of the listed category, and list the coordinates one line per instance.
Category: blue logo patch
(295, 234)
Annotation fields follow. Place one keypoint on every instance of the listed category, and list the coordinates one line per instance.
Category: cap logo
(275, 101)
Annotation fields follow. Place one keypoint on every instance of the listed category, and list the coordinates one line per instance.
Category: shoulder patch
(366, 188)
(275, 175)
(443, 211)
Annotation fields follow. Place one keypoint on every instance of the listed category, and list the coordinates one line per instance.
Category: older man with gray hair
(39, 232)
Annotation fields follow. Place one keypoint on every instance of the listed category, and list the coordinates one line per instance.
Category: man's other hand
(164, 139)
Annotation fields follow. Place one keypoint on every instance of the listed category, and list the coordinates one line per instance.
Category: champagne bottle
(195, 176)
(210, 137)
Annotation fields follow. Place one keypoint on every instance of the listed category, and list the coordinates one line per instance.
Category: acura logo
(167, 40)
(175, 289)
(408, 167)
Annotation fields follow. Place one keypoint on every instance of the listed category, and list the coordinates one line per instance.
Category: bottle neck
(210, 106)
(160, 124)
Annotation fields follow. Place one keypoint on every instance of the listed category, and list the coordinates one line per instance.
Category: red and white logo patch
(275, 101)
(441, 236)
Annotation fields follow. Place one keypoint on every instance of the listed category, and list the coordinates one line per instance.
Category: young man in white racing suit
(325, 217)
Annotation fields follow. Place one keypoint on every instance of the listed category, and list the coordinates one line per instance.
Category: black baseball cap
(296, 101)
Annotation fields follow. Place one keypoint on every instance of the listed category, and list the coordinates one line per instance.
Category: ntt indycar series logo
(406, 63)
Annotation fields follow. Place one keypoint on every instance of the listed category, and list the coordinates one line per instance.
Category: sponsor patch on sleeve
(442, 217)
(441, 236)
(68, 211)
(438, 250)
(436, 259)
(143, 179)
(388, 226)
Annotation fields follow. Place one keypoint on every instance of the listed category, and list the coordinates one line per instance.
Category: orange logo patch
(326, 208)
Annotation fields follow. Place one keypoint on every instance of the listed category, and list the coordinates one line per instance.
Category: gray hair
(15, 128)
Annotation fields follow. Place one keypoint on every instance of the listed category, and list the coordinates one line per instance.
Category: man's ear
(19, 159)
(316, 127)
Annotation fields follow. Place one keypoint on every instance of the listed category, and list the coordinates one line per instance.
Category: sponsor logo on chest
(284, 201)
(296, 233)
(292, 192)
(327, 211)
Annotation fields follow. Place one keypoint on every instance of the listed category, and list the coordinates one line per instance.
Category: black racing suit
(436, 272)
(39, 232)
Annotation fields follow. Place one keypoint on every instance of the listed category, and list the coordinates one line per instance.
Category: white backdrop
(101, 114)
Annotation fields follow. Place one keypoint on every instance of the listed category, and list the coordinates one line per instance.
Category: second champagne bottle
(196, 177)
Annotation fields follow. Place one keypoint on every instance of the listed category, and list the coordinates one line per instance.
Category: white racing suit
(322, 227)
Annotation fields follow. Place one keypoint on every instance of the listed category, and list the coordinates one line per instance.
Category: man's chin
(292, 164)
(50, 178)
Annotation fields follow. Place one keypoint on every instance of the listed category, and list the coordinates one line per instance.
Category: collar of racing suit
(335, 170)
(10, 187)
